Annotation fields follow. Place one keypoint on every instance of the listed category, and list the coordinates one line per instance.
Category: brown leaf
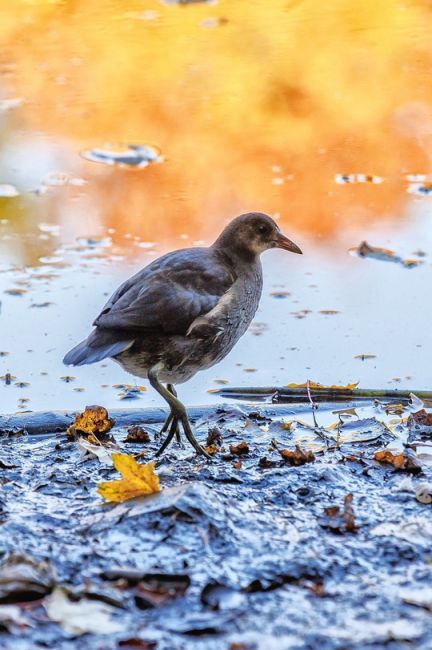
(420, 418)
(348, 513)
(316, 386)
(137, 434)
(214, 437)
(405, 460)
(94, 419)
(266, 463)
(337, 520)
(240, 449)
(298, 456)
(211, 449)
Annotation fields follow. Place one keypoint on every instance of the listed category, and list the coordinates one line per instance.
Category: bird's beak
(287, 244)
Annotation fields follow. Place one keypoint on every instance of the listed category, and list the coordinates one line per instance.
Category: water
(320, 118)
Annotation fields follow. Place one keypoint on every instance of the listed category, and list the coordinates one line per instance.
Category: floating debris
(382, 254)
(10, 103)
(132, 155)
(280, 294)
(50, 228)
(130, 391)
(344, 179)
(95, 242)
(329, 312)
(8, 191)
(257, 329)
(421, 189)
(15, 292)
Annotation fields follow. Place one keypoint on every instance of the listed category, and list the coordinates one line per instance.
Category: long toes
(193, 441)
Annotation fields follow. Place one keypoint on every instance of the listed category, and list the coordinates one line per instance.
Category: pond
(129, 131)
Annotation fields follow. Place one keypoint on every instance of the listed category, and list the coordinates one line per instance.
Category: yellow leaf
(94, 419)
(315, 386)
(138, 480)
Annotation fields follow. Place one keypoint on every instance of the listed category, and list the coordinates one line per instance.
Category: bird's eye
(262, 229)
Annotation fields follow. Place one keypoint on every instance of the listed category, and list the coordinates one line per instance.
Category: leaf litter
(212, 554)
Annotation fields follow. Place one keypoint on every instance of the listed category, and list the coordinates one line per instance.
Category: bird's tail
(101, 344)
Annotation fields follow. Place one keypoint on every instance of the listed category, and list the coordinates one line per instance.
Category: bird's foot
(173, 422)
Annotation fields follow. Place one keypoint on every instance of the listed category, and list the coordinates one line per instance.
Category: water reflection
(319, 115)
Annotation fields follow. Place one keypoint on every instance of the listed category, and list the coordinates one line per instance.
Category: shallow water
(320, 118)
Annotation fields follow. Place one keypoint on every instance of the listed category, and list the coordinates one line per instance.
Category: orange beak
(287, 244)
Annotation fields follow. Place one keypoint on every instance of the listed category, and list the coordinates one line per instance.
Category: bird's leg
(173, 391)
(172, 432)
(178, 410)
(165, 426)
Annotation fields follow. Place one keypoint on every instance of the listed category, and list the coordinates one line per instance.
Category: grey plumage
(184, 312)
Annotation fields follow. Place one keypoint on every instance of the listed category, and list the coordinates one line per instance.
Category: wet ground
(248, 551)
(129, 131)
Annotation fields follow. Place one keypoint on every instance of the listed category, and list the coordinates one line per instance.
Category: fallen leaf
(88, 449)
(316, 386)
(404, 460)
(214, 437)
(421, 420)
(211, 450)
(138, 480)
(298, 456)
(94, 419)
(137, 434)
(340, 520)
(81, 617)
(348, 513)
(240, 449)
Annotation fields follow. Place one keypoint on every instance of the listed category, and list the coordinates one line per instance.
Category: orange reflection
(255, 105)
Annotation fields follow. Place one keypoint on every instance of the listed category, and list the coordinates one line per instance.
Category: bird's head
(251, 234)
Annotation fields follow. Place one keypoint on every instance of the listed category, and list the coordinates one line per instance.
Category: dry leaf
(315, 386)
(211, 450)
(88, 449)
(420, 420)
(298, 456)
(241, 449)
(94, 419)
(82, 617)
(138, 480)
(137, 434)
(338, 520)
(405, 460)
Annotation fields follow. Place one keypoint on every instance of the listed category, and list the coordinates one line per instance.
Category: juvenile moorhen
(184, 312)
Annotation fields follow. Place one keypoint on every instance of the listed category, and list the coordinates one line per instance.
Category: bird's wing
(169, 294)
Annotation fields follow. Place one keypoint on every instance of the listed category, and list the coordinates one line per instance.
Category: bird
(184, 312)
